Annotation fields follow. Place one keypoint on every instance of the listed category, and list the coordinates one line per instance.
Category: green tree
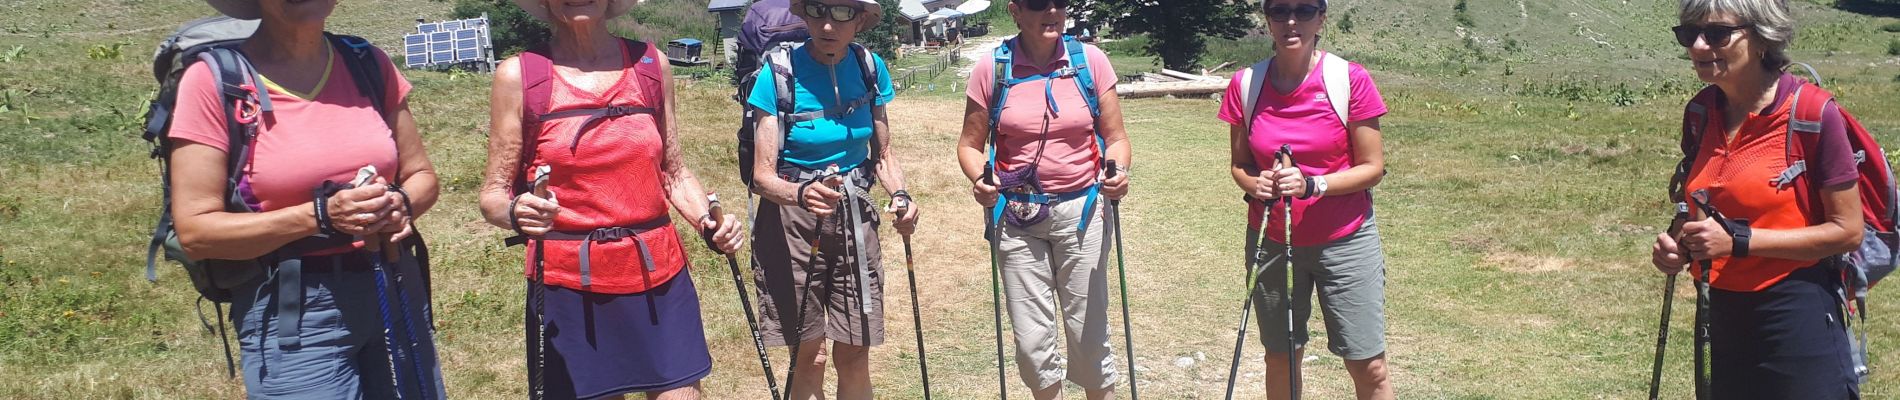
(509, 28)
(883, 37)
(1178, 29)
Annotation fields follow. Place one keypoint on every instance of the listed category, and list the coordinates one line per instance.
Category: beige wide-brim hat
(539, 8)
(240, 9)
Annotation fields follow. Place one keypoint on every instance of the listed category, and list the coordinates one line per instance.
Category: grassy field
(1528, 152)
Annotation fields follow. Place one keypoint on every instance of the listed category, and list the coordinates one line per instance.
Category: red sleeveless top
(611, 177)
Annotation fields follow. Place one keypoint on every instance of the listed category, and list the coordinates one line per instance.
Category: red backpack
(537, 72)
(1862, 268)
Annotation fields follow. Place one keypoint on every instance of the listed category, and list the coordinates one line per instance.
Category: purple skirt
(604, 345)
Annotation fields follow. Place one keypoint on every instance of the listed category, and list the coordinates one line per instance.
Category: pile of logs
(1172, 83)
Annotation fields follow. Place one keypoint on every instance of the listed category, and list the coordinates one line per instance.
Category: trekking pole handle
(540, 186)
(363, 178)
(718, 214)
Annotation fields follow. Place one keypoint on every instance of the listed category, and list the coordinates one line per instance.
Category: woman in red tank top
(1774, 324)
(614, 310)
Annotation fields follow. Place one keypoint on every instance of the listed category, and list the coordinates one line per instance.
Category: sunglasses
(1303, 13)
(838, 13)
(1714, 35)
(1044, 5)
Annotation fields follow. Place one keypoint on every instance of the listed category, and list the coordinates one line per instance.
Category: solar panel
(447, 42)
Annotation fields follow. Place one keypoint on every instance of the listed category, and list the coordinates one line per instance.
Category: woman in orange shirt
(1775, 321)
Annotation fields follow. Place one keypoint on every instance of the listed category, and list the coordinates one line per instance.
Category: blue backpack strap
(999, 94)
(1084, 81)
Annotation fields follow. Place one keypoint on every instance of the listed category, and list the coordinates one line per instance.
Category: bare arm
(1241, 164)
(767, 140)
(206, 231)
(682, 187)
(889, 171)
(1368, 160)
(504, 143)
(973, 143)
(418, 173)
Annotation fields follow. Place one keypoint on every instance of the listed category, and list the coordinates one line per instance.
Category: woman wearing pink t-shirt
(320, 319)
(1337, 159)
(1050, 159)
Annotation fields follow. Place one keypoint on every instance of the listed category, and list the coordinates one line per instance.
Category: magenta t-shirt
(1068, 157)
(1305, 120)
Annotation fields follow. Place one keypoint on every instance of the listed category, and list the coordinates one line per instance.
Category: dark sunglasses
(839, 13)
(1044, 5)
(1714, 35)
(1303, 13)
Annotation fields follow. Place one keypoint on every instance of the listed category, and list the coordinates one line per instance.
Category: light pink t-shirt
(1305, 120)
(1069, 156)
(301, 142)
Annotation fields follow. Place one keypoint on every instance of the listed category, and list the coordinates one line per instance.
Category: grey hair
(1768, 19)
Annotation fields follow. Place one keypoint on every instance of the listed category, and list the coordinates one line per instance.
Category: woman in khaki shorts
(1050, 152)
(833, 293)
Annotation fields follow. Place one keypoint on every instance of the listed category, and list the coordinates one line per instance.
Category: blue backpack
(1031, 204)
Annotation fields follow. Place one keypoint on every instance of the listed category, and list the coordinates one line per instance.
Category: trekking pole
(1121, 272)
(899, 207)
(995, 229)
(1292, 355)
(1669, 299)
(1246, 306)
(817, 255)
(1284, 157)
(538, 374)
(373, 244)
(1702, 389)
(745, 302)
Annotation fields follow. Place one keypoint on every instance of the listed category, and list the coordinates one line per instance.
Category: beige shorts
(1057, 287)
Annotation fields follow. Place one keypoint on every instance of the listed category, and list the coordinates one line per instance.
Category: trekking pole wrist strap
(901, 193)
(320, 198)
(514, 220)
(800, 196)
(1739, 234)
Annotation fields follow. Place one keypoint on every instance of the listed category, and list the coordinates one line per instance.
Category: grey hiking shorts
(1350, 276)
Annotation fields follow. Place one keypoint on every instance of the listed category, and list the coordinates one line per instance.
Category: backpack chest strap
(839, 111)
(594, 115)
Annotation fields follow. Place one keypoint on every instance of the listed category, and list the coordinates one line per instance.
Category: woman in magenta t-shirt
(1337, 159)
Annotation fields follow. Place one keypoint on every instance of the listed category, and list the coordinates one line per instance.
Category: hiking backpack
(1333, 74)
(1862, 268)
(778, 63)
(1005, 78)
(214, 41)
(537, 89)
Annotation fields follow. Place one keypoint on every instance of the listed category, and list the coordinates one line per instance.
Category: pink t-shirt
(1305, 120)
(1069, 156)
(301, 142)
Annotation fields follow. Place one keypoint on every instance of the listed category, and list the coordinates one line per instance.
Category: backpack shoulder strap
(779, 63)
(1806, 108)
(536, 87)
(1695, 119)
(359, 57)
(1084, 80)
(868, 65)
(1005, 60)
(646, 65)
(1252, 80)
(1333, 74)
